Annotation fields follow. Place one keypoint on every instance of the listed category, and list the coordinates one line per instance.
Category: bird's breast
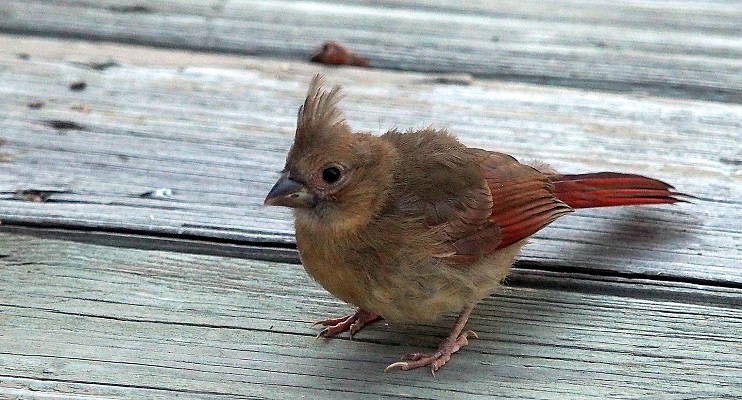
(326, 261)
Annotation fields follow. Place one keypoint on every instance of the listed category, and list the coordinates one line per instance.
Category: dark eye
(331, 174)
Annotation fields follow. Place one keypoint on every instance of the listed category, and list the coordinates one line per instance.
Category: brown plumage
(408, 226)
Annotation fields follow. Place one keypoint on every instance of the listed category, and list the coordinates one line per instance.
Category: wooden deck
(107, 292)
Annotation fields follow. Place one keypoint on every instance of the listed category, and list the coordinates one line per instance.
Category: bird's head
(333, 177)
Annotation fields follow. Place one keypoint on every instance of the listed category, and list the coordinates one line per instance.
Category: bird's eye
(331, 174)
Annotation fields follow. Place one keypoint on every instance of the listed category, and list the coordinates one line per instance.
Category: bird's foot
(434, 360)
(351, 323)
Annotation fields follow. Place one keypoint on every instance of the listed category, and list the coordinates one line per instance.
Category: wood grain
(217, 135)
(122, 323)
(686, 49)
(199, 294)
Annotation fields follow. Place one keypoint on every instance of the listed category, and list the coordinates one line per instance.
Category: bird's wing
(523, 198)
(513, 202)
(474, 200)
(464, 221)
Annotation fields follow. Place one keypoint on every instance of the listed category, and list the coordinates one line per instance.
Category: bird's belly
(343, 283)
(400, 291)
(448, 288)
(426, 293)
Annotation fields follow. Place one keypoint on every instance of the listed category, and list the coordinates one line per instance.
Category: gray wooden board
(687, 48)
(87, 321)
(215, 130)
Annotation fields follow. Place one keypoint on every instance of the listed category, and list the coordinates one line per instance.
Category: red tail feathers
(607, 189)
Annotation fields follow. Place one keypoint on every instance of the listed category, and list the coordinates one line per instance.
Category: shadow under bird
(409, 226)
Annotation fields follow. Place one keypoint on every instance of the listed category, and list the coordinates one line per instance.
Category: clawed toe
(436, 359)
(333, 326)
(351, 323)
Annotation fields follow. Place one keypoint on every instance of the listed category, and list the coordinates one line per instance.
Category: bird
(409, 226)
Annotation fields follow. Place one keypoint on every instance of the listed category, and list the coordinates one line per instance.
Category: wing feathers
(521, 202)
(523, 198)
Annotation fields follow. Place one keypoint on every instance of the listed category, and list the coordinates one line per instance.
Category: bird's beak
(289, 193)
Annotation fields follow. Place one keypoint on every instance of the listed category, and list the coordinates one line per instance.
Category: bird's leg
(451, 344)
(351, 323)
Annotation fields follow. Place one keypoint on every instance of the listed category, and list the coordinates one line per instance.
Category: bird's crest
(320, 114)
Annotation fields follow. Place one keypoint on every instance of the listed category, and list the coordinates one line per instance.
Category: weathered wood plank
(24, 388)
(688, 48)
(217, 134)
(83, 319)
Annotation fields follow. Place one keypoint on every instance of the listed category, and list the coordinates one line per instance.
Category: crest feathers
(320, 111)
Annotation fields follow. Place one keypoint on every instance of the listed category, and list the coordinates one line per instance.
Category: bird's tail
(608, 189)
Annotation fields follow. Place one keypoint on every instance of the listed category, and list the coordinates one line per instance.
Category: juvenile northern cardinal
(408, 226)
